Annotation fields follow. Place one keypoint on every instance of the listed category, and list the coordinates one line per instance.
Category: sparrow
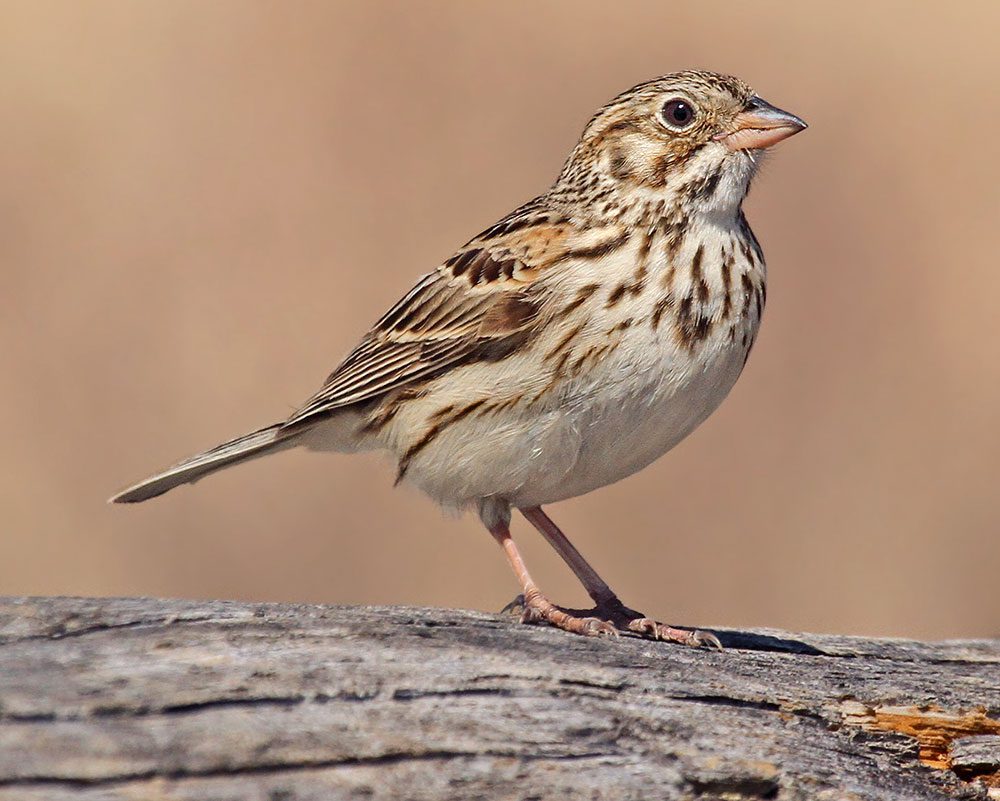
(568, 345)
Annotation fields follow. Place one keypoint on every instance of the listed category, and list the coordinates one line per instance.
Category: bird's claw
(536, 609)
(607, 620)
(647, 627)
(514, 606)
(595, 627)
(705, 638)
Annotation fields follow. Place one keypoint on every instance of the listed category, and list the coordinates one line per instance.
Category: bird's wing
(482, 304)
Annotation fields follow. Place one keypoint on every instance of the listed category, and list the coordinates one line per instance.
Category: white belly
(638, 416)
(623, 414)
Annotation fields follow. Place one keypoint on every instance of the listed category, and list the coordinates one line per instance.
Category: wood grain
(208, 701)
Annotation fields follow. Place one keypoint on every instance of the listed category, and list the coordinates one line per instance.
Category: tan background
(203, 205)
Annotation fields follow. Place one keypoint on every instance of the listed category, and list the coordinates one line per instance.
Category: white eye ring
(678, 113)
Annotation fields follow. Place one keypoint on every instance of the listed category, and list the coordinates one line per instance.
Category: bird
(568, 345)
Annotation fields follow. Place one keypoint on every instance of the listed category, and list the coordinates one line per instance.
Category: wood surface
(208, 701)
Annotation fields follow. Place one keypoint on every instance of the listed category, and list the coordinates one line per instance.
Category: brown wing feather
(445, 320)
(482, 304)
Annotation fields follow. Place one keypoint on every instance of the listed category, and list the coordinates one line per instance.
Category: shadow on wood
(204, 701)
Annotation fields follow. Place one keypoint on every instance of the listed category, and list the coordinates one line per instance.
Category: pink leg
(607, 603)
(536, 606)
(596, 587)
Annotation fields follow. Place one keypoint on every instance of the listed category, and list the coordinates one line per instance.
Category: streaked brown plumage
(569, 344)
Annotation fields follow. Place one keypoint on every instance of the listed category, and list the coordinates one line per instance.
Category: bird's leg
(607, 605)
(595, 586)
(537, 607)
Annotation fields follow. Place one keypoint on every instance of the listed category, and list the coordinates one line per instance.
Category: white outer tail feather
(249, 446)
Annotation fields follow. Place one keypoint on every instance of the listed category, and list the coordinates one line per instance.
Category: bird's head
(697, 135)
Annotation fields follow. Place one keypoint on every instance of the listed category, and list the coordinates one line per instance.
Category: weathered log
(205, 701)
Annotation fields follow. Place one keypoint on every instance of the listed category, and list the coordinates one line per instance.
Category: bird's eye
(677, 113)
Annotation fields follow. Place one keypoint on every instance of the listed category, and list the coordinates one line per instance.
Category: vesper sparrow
(568, 345)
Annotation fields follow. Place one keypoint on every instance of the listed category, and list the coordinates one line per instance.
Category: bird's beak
(760, 125)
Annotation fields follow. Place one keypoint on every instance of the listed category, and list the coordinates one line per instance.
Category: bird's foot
(653, 630)
(629, 620)
(536, 608)
(607, 619)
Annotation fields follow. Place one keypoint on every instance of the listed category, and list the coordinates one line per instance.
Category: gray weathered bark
(204, 701)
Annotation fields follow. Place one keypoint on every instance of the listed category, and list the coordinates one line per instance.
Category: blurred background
(204, 205)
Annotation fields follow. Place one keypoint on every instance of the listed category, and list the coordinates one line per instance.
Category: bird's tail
(249, 446)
